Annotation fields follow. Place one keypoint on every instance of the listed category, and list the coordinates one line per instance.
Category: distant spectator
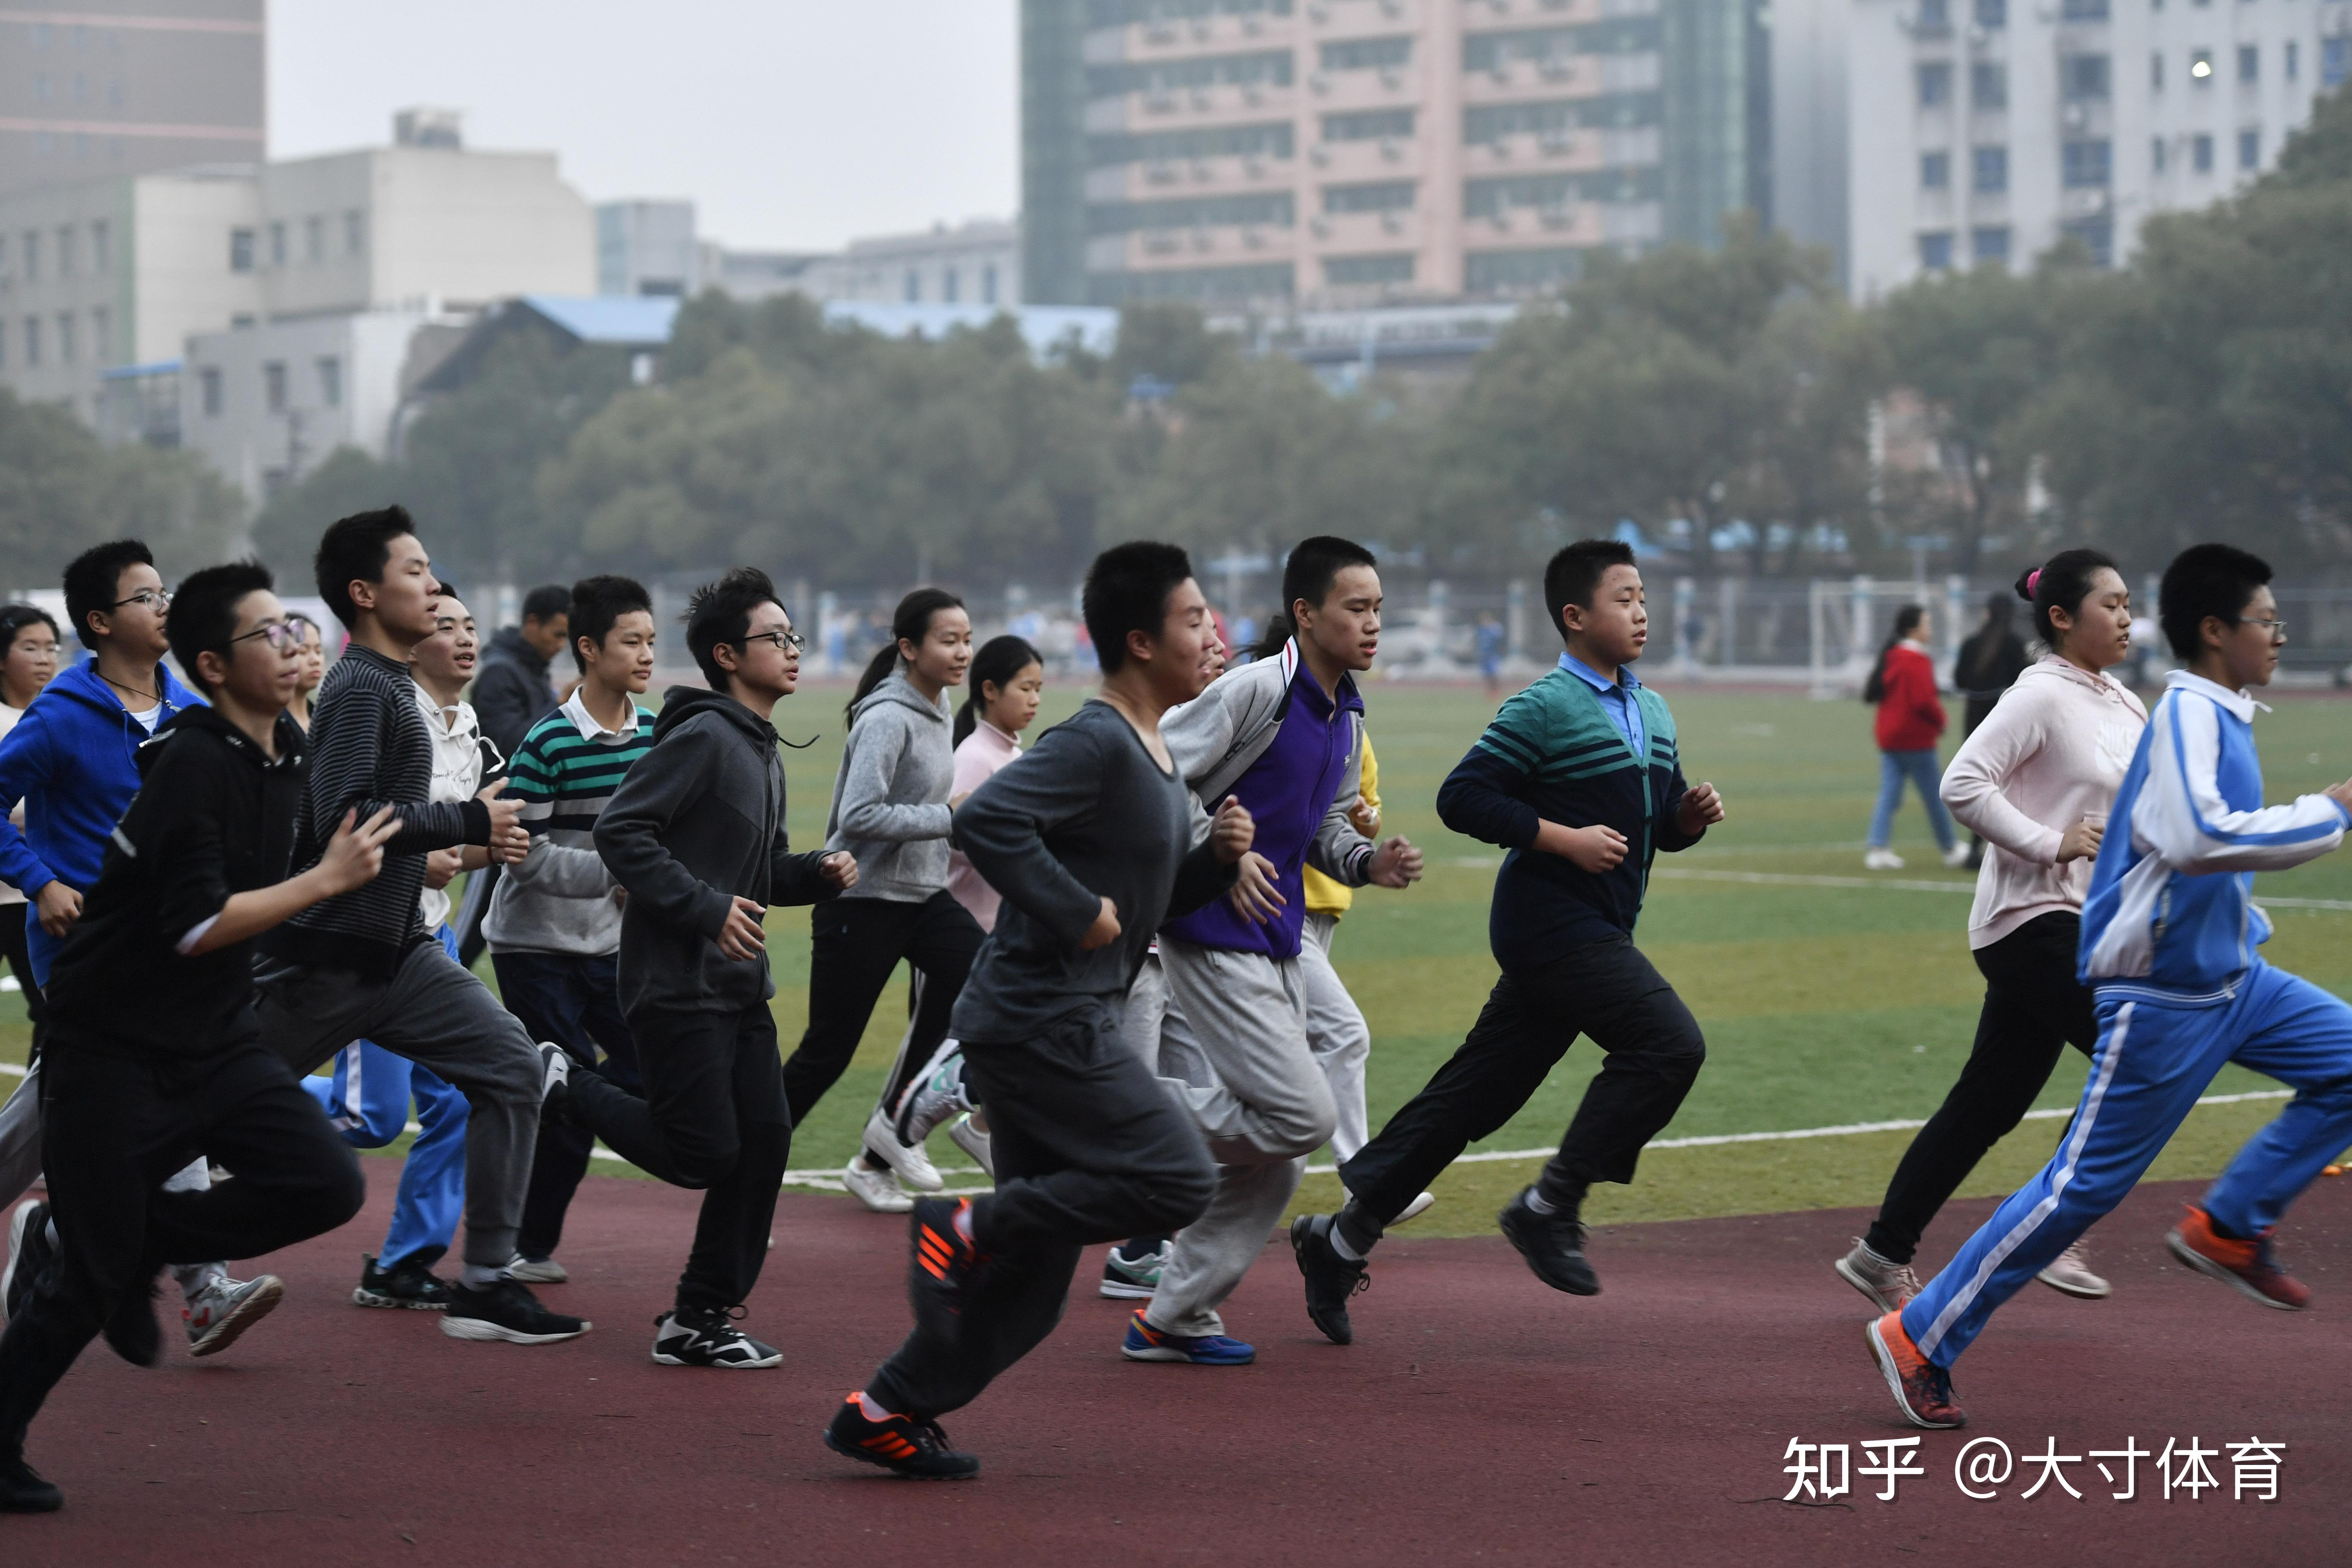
(1490, 653)
(513, 692)
(1910, 721)
(1988, 664)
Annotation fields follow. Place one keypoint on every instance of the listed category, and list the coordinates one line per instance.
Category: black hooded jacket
(697, 823)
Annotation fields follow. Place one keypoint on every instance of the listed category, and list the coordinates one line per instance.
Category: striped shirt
(559, 898)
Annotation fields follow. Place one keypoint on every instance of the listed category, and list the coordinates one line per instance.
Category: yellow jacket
(1324, 896)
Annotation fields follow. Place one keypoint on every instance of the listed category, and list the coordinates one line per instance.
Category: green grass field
(1823, 1006)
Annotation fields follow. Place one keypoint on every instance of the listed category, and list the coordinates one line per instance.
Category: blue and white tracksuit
(2170, 933)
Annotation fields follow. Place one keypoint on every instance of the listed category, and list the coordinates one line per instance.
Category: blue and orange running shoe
(1145, 1343)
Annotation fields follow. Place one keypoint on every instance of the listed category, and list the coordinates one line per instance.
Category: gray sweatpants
(439, 1017)
(1154, 1028)
(1269, 1108)
(1337, 1033)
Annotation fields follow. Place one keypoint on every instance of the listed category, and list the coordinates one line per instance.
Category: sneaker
(221, 1311)
(937, 1095)
(1888, 1285)
(1145, 1343)
(916, 1449)
(538, 1270)
(23, 1489)
(2246, 1267)
(1922, 1388)
(555, 1072)
(877, 1190)
(944, 1261)
(908, 1160)
(1330, 1278)
(1134, 1278)
(29, 1252)
(509, 1312)
(689, 1338)
(1882, 860)
(973, 1141)
(1957, 856)
(407, 1284)
(1415, 1209)
(1553, 1245)
(2070, 1271)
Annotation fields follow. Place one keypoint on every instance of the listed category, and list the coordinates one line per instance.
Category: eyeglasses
(153, 598)
(282, 634)
(792, 640)
(2277, 627)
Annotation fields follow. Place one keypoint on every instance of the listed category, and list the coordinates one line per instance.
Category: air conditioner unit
(1159, 173)
(1253, 240)
(1202, 239)
(1558, 217)
(1200, 98)
(1500, 147)
(1255, 167)
(1253, 95)
(1160, 33)
(1202, 169)
(1557, 71)
(1319, 156)
(1320, 82)
(1499, 74)
(1391, 149)
(1392, 76)
(1392, 222)
(1321, 228)
(1160, 102)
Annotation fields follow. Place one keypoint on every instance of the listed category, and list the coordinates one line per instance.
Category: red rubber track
(1479, 1417)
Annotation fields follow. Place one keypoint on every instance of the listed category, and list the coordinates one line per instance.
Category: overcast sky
(790, 123)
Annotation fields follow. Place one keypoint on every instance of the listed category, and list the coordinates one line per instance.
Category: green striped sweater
(559, 898)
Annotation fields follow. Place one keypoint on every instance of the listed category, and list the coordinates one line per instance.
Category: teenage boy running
(1284, 736)
(152, 1049)
(1087, 838)
(361, 966)
(72, 761)
(1581, 779)
(554, 926)
(2169, 934)
(695, 836)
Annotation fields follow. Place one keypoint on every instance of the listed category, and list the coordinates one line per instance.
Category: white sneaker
(1957, 856)
(914, 1166)
(2069, 1271)
(877, 1190)
(225, 1308)
(543, 1271)
(1415, 1209)
(1882, 860)
(973, 1141)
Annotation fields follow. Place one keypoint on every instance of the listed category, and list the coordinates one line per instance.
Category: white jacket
(2054, 748)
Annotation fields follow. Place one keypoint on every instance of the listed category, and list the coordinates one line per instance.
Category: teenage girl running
(2036, 779)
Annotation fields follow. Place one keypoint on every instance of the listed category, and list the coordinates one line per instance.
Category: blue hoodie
(73, 759)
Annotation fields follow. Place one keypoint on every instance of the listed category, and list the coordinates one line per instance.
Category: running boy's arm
(799, 879)
(1338, 849)
(347, 745)
(1670, 834)
(1482, 796)
(1001, 829)
(2181, 815)
(665, 781)
(353, 855)
(23, 767)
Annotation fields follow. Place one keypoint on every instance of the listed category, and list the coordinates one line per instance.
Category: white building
(978, 263)
(647, 247)
(1988, 130)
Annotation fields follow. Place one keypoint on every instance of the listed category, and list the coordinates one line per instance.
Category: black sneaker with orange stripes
(944, 1261)
(899, 1444)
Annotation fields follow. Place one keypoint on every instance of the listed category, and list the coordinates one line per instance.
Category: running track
(1479, 1418)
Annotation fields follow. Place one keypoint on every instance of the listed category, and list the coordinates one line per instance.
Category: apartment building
(1348, 153)
(114, 87)
(1986, 131)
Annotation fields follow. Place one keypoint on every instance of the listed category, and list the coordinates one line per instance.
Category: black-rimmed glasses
(792, 640)
(153, 598)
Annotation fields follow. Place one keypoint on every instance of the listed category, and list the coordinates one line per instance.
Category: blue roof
(626, 320)
(1042, 326)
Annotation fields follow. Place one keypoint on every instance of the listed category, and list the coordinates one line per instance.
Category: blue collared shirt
(1617, 700)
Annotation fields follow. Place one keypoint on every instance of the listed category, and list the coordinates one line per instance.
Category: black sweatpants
(15, 947)
(855, 943)
(115, 1130)
(2032, 1008)
(1089, 1148)
(1606, 990)
(573, 1001)
(712, 1117)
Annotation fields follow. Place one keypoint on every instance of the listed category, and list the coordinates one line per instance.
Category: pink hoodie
(2052, 750)
(984, 750)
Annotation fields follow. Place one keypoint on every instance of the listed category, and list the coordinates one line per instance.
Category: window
(950, 284)
(1934, 170)
(355, 233)
(988, 284)
(1385, 195)
(32, 342)
(2249, 63)
(1367, 54)
(1988, 244)
(1371, 125)
(2099, 233)
(240, 250)
(67, 261)
(2155, 70)
(2335, 60)
(273, 386)
(1518, 271)
(1988, 172)
(277, 244)
(1935, 251)
(314, 240)
(2292, 65)
(66, 344)
(1988, 85)
(1992, 12)
(32, 256)
(2249, 149)
(2083, 76)
(2083, 10)
(2087, 164)
(2200, 65)
(2201, 154)
(1340, 271)
(208, 388)
(101, 248)
(1934, 84)
(1934, 17)
(2156, 155)
(101, 334)
(331, 381)
(911, 290)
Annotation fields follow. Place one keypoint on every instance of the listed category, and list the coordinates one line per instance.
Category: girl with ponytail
(2036, 779)
(1910, 721)
(890, 810)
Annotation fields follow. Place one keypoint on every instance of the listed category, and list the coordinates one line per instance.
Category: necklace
(123, 686)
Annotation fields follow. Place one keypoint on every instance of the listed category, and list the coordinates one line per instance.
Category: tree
(285, 531)
(62, 491)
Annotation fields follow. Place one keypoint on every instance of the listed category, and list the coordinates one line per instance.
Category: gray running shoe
(225, 1308)
(2069, 1271)
(538, 1270)
(1889, 1285)
(1134, 1276)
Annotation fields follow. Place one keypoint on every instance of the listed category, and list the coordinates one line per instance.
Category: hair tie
(2033, 581)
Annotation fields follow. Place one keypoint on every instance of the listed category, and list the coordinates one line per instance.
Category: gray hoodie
(890, 799)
